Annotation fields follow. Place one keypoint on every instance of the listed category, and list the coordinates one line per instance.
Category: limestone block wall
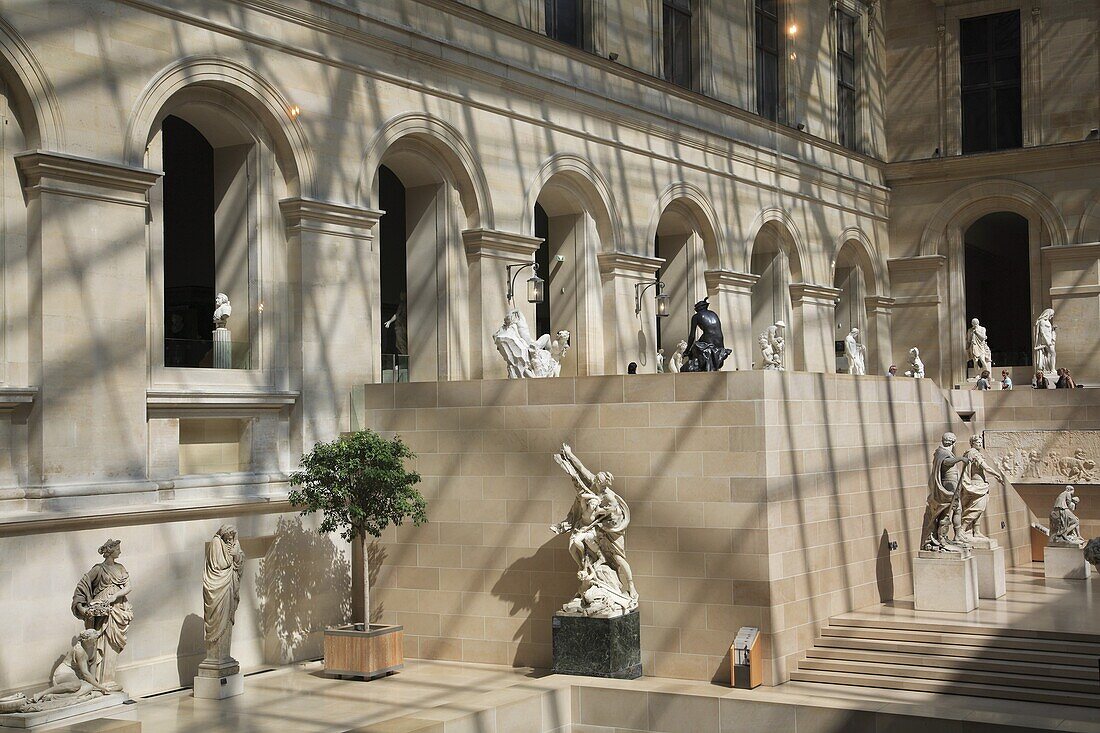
(757, 499)
(295, 583)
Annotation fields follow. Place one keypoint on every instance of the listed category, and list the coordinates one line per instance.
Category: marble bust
(856, 353)
(222, 311)
(1065, 527)
(596, 526)
(1046, 337)
(977, 346)
(221, 592)
(772, 346)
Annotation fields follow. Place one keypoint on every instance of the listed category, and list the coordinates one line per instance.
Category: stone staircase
(1045, 666)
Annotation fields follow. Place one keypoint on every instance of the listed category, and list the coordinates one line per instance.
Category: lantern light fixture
(661, 298)
(536, 286)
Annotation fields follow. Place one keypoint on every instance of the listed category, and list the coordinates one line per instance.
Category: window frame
(688, 11)
(991, 86)
(853, 87)
(758, 51)
(549, 22)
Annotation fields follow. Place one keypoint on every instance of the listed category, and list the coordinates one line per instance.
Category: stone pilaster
(628, 336)
(731, 294)
(1075, 297)
(88, 325)
(812, 312)
(877, 339)
(489, 254)
(340, 312)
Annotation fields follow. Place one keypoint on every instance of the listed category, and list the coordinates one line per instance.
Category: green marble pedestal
(598, 647)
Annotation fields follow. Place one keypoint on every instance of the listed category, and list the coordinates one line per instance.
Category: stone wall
(757, 498)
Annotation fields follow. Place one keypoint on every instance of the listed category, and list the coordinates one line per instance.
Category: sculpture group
(527, 357)
(958, 494)
(596, 526)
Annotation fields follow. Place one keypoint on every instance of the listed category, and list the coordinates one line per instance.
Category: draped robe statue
(100, 600)
(942, 497)
(1046, 336)
(221, 592)
(974, 493)
(977, 346)
(856, 353)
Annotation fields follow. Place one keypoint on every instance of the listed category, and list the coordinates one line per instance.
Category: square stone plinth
(219, 688)
(1065, 563)
(991, 571)
(945, 581)
(598, 647)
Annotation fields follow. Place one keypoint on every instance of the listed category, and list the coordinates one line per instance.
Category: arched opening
(679, 242)
(851, 276)
(997, 264)
(771, 260)
(421, 254)
(565, 217)
(14, 138)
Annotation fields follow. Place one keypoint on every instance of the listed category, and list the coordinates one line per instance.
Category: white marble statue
(221, 592)
(73, 680)
(1065, 527)
(772, 345)
(856, 353)
(596, 526)
(100, 601)
(660, 361)
(977, 346)
(943, 483)
(676, 361)
(916, 366)
(222, 310)
(1046, 335)
(399, 321)
(223, 339)
(973, 494)
(526, 357)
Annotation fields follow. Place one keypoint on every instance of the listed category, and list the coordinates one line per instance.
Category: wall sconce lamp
(536, 286)
(660, 298)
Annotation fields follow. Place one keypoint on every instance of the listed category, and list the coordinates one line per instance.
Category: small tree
(359, 484)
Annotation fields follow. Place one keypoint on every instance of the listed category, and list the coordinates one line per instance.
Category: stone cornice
(736, 281)
(919, 263)
(12, 398)
(304, 214)
(624, 264)
(71, 175)
(175, 401)
(999, 163)
(878, 304)
(494, 244)
(810, 292)
(1072, 252)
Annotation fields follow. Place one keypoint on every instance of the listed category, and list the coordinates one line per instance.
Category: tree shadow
(191, 648)
(303, 585)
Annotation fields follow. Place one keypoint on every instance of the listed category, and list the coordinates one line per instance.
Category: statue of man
(221, 591)
(855, 352)
(916, 365)
(1046, 335)
(977, 346)
(974, 492)
(708, 352)
(400, 323)
(74, 678)
(222, 310)
(943, 485)
(1065, 527)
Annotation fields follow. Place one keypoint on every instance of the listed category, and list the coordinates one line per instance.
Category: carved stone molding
(1046, 456)
(323, 217)
(71, 175)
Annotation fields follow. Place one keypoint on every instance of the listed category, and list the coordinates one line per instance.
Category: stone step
(958, 627)
(949, 687)
(951, 675)
(966, 651)
(1086, 669)
(966, 639)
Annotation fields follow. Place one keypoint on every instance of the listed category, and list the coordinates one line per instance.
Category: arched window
(771, 295)
(998, 287)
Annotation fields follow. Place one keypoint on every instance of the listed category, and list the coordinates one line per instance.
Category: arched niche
(687, 243)
(854, 276)
(775, 261)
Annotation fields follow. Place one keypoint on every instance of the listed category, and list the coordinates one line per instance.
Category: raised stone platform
(1065, 563)
(598, 647)
(103, 706)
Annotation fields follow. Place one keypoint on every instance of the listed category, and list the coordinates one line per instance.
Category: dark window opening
(565, 21)
(989, 53)
(392, 264)
(676, 30)
(998, 285)
(542, 259)
(847, 120)
(767, 59)
(189, 278)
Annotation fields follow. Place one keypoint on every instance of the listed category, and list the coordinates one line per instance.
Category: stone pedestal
(945, 581)
(598, 647)
(97, 707)
(989, 557)
(1065, 562)
(218, 679)
(223, 348)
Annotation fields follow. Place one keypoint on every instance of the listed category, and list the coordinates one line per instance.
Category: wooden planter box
(354, 651)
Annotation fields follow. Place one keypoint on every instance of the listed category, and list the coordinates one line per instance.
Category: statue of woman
(1045, 337)
(676, 361)
(100, 602)
(856, 353)
(221, 590)
(73, 679)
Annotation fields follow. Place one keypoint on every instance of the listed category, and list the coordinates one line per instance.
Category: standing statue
(222, 310)
(100, 601)
(660, 361)
(973, 493)
(400, 323)
(221, 592)
(676, 361)
(977, 346)
(707, 353)
(772, 345)
(1046, 334)
(943, 495)
(1065, 527)
(916, 366)
(596, 526)
(856, 353)
(526, 357)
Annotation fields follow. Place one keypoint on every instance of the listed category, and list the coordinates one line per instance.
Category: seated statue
(707, 353)
(72, 681)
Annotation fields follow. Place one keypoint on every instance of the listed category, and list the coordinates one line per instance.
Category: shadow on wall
(303, 585)
(884, 569)
(534, 593)
(191, 649)
(376, 557)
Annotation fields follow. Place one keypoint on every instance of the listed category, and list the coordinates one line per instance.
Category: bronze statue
(708, 352)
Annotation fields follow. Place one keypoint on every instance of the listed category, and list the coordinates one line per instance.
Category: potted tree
(360, 485)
